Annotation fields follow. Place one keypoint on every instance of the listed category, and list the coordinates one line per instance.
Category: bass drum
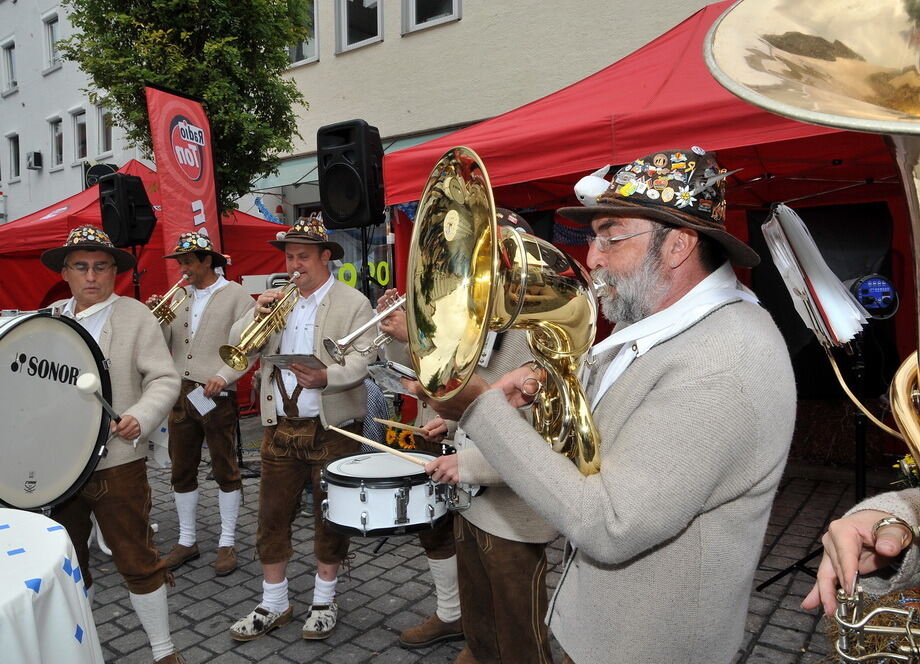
(54, 434)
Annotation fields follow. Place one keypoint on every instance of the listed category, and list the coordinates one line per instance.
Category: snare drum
(381, 494)
(54, 434)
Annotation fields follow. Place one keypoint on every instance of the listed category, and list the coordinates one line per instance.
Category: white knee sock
(275, 596)
(153, 612)
(444, 573)
(187, 508)
(324, 591)
(229, 504)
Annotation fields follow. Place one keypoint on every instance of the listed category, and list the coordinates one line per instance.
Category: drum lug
(323, 486)
(402, 505)
(324, 508)
(363, 493)
(364, 523)
(431, 514)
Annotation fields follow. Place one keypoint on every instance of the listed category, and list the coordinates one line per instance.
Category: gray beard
(634, 296)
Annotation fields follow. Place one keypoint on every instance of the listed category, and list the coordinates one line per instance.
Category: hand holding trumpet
(853, 544)
(394, 324)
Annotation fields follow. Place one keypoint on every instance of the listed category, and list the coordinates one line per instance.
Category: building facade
(50, 133)
(415, 69)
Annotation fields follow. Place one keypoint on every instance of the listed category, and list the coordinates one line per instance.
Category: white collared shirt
(718, 288)
(200, 298)
(297, 338)
(93, 318)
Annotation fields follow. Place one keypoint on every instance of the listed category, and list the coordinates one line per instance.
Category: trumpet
(165, 311)
(338, 349)
(258, 331)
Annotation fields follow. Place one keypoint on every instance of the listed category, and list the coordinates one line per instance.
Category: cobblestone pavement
(389, 587)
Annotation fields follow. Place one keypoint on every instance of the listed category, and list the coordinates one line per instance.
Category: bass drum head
(376, 469)
(54, 434)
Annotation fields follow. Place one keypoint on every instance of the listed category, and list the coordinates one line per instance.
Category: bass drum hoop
(106, 388)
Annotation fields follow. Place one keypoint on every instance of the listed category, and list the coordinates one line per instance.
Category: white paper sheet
(202, 404)
(825, 305)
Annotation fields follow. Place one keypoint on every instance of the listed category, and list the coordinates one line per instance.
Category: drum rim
(377, 532)
(348, 481)
(103, 434)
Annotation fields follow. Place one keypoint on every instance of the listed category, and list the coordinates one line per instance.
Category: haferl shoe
(180, 554)
(226, 560)
(433, 630)
(174, 658)
(465, 657)
(259, 623)
(321, 621)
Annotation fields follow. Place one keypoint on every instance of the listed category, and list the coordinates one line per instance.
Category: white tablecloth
(45, 615)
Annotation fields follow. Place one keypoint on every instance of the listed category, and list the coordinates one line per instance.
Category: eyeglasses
(603, 244)
(83, 268)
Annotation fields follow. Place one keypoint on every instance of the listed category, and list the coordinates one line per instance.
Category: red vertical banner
(184, 156)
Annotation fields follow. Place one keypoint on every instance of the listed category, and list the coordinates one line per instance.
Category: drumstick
(400, 425)
(89, 384)
(380, 446)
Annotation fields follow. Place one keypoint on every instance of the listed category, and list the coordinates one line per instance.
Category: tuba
(258, 331)
(850, 65)
(467, 276)
(165, 311)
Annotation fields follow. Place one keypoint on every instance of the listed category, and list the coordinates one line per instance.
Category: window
(79, 135)
(105, 129)
(306, 51)
(52, 57)
(358, 23)
(9, 66)
(12, 146)
(421, 14)
(57, 141)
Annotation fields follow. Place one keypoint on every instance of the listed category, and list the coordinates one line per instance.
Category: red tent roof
(26, 284)
(661, 96)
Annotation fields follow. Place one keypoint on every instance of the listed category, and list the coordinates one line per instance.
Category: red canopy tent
(26, 284)
(663, 96)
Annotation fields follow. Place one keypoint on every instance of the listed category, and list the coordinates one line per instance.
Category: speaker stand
(135, 275)
(365, 272)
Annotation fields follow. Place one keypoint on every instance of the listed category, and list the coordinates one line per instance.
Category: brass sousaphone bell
(850, 65)
(467, 276)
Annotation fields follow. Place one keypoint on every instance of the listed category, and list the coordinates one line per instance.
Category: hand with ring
(522, 385)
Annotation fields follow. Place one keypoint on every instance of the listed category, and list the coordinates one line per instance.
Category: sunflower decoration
(391, 436)
(406, 440)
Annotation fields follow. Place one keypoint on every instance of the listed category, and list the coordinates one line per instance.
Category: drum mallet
(89, 384)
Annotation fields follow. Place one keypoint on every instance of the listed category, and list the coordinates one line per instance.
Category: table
(45, 615)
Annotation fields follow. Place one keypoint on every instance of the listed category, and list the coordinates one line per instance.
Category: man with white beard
(694, 400)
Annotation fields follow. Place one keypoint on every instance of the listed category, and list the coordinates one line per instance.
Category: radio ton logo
(187, 141)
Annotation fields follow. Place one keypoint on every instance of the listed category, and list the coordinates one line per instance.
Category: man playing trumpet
(200, 324)
(297, 405)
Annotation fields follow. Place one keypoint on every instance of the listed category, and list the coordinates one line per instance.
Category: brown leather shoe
(174, 658)
(180, 555)
(465, 657)
(226, 560)
(431, 631)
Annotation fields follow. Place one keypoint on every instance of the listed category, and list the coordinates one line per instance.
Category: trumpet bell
(233, 357)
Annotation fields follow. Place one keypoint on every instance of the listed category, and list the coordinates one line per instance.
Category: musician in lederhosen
(144, 386)
(498, 566)
(201, 325)
(297, 405)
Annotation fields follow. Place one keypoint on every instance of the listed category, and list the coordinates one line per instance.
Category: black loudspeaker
(350, 162)
(127, 216)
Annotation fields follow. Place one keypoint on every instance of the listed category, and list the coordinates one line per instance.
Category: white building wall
(500, 55)
(43, 92)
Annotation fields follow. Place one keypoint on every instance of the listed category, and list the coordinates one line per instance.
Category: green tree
(229, 53)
